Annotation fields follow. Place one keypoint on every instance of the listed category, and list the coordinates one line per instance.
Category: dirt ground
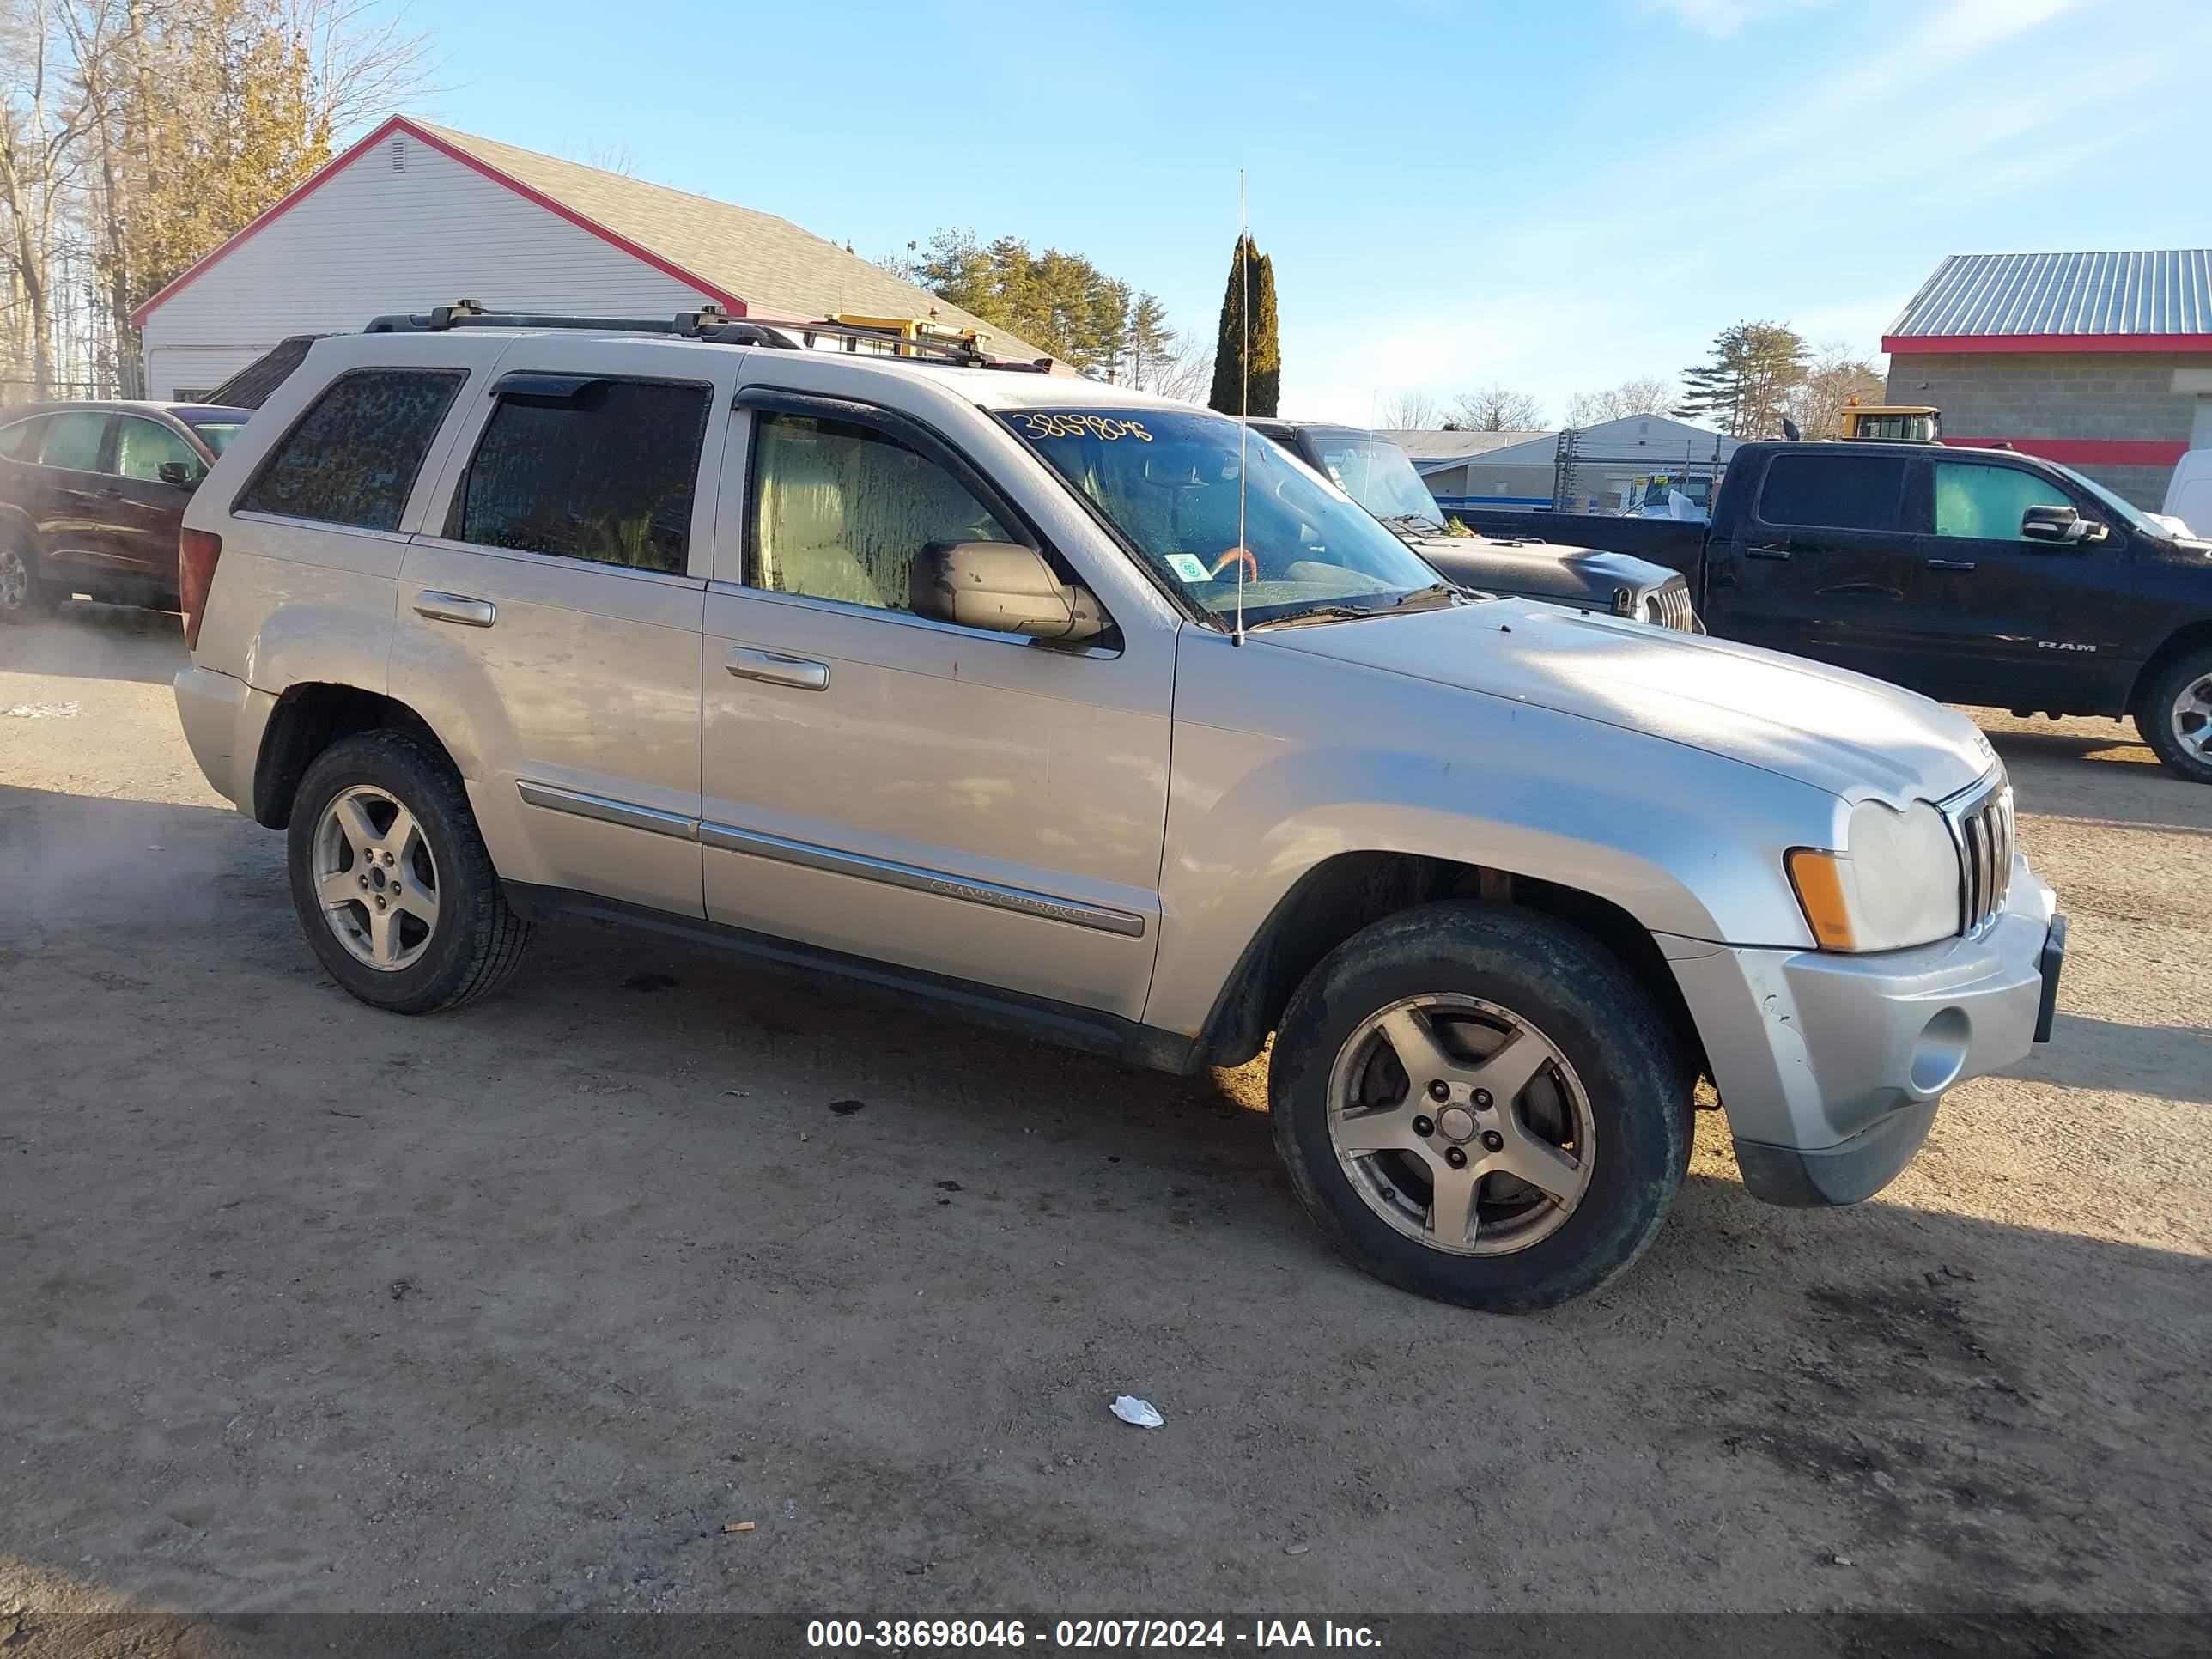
(305, 1307)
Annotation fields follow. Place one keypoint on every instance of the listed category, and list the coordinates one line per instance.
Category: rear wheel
(1482, 1106)
(23, 596)
(392, 881)
(2175, 717)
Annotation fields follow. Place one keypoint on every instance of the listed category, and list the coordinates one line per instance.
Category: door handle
(1767, 552)
(109, 495)
(456, 608)
(1950, 564)
(776, 669)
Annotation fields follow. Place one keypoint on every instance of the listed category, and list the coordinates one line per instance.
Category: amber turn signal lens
(1819, 879)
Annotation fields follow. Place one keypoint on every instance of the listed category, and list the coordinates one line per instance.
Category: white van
(2188, 496)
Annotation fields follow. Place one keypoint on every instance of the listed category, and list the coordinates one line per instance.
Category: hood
(1586, 575)
(1843, 732)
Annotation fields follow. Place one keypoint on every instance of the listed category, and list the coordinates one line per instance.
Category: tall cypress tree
(1252, 339)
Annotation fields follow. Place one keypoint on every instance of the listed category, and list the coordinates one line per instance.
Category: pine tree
(1248, 365)
(1755, 369)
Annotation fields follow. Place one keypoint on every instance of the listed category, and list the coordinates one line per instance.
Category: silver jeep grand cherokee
(1081, 711)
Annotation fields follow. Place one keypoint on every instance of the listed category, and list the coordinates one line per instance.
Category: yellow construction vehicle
(1892, 422)
(896, 330)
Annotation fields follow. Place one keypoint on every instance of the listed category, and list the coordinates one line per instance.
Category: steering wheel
(1238, 555)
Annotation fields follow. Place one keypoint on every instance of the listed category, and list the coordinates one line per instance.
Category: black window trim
(398, 532)
(932, 445)
(448, 521)
(1902, 527)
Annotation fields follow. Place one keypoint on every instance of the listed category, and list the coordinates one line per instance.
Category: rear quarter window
(352, 458)
(1823, 490)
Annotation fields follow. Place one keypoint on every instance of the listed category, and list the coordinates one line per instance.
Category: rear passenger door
(552, 613)
(1823, 565)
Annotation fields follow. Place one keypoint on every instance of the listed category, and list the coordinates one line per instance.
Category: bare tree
(1645, 394)
(621, 158)
(136, 135)
(1837, 377)
(1412, 410)
(1184, 370)
(1498, 409)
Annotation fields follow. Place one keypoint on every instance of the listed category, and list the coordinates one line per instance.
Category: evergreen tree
(1756, 368)
(1248, 365)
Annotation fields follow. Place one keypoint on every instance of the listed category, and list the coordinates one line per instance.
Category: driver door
(962, 803)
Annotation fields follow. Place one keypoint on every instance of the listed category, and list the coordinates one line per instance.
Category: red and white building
(2101, 360)
(416, 215)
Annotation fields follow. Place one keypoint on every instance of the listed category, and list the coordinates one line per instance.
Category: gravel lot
(305, 1307)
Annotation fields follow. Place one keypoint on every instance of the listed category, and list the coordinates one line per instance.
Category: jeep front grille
(1982, 825)
(1670, 607)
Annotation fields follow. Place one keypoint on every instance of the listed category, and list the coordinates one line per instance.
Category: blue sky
(1555, 197)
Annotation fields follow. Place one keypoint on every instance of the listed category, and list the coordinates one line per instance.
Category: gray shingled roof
(2165, 292)
(769, 262)
(1425, 444)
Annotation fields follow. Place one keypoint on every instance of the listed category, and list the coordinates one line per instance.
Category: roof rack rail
(709, 323)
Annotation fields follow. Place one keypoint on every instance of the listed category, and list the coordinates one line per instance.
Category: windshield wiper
(1431, 598)
(1320, 613)
(1426, 525)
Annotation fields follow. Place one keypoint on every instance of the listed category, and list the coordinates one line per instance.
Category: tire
(419, 923)
(1610, 1097)
(2175, 716)
(25, 596)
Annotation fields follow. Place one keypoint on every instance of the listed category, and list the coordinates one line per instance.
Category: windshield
(1167, 479)
(2130, 516)
(1375, 472)
(217, 434)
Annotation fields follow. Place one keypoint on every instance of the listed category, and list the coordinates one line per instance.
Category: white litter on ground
(40, 711)
(1141, 1413)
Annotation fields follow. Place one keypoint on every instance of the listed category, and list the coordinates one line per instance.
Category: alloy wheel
(1461, 1125)
(14, 580)
(2191, 717)
(377, 878)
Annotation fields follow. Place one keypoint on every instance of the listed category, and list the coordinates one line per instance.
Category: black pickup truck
(1973, 575)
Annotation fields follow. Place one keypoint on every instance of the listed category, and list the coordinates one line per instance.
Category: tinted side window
(352, 458)
(1824, 490)
(839, 511)
(142, 445)
(1987, 502)
(606, 475)
(20, 442)
(72, 440)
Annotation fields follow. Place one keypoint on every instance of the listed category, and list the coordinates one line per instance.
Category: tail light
(197, 553)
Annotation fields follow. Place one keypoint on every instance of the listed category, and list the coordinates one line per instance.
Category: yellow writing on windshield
(1056, 423)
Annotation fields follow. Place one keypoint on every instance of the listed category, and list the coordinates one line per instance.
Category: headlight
(1895, 883)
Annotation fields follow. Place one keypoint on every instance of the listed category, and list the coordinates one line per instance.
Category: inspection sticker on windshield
(1189, 566)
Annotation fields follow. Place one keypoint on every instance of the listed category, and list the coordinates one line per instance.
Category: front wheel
(2175, 717)
(1481, 1106)
(23, 596)
(391, 880)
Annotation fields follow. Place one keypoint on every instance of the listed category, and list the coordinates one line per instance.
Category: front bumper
(1830, 1066)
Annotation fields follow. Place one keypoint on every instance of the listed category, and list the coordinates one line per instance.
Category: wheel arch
(2191, 637)
(307, 718)
(1344, 894)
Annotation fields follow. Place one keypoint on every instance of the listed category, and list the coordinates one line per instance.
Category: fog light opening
(1941, 1052)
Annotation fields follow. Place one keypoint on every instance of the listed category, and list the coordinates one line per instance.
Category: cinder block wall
(2130, 395)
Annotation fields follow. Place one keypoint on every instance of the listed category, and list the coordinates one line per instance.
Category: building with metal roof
(415, 216)
(2101, 360)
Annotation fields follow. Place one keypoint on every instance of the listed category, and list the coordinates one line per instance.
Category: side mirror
(2060, 524)
(1002, 586)
(183, 474)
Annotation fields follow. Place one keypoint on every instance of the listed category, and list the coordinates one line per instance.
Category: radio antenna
(1244, 398)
